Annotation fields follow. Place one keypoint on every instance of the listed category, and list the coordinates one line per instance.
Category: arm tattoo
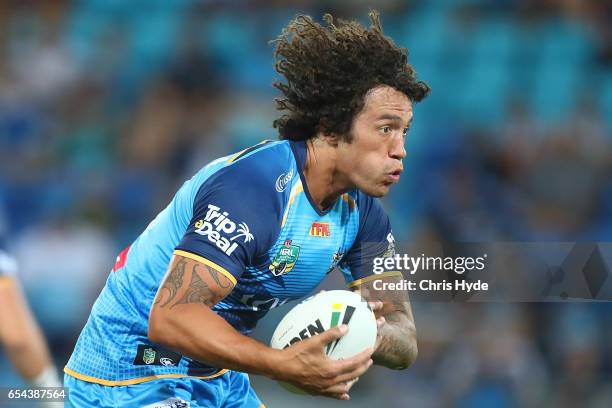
(173, 282)
(398, 339)
(201, 292)
(221, 280)
(197, 291)
(398, 333)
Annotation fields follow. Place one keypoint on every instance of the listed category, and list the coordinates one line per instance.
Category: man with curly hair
(256, 229)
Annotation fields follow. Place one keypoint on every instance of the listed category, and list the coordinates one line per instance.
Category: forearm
(182, 319)
(19, 333)
(398, 347)
(29, 361)
(199, 333)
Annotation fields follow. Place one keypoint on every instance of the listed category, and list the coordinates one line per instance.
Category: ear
(332, 139)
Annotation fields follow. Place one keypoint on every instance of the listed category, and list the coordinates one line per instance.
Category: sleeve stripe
(248, 150)
(205, 261)
(350, 201)
(8, 265)
(373, 277)
(297, 189)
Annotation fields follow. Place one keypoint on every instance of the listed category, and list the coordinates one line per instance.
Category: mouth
(394, 176)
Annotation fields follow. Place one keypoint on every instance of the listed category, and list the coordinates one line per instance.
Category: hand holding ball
(323, 311)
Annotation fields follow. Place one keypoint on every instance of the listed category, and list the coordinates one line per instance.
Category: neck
(325, 182)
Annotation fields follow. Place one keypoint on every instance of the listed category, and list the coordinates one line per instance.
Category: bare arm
(19, 333)
(398, 345)
(181, 319)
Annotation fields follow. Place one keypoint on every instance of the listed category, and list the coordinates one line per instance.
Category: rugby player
(257, 229)
(20, 335)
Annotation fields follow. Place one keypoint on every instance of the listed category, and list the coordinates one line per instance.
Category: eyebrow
(394, 118)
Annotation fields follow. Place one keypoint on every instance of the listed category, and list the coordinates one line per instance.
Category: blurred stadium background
(107, 106)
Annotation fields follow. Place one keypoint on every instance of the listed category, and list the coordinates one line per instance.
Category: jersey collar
(300, 152)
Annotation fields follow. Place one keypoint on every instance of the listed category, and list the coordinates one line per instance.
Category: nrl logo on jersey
(148, 356)
(217, 225)
(285, 259)
(283, 181)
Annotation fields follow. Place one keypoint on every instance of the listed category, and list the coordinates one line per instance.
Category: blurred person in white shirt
(20, 335)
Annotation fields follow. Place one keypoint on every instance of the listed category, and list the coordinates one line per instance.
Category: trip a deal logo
(320, 229)
(219, 228)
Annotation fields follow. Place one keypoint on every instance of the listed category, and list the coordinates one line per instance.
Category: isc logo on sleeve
(221, 230)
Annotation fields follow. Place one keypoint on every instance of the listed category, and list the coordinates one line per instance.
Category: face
(372, 161)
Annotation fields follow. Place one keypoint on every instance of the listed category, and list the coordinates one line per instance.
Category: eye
(385, 129)
(405, 131)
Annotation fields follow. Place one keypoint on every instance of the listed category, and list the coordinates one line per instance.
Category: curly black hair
(329, 70)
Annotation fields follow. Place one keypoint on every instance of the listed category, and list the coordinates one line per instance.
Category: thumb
(332, 334)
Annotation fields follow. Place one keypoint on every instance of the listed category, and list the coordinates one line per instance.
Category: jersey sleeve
(8, 265)
(374, 239)
(235, 216)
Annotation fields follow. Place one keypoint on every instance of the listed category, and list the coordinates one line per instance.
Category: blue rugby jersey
(250, 216)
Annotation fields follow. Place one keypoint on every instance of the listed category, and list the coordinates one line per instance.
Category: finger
(357, 359)
(378, 342)
(337, 389)
(376, 306)
(330, 335)
(352, 363)
(343, 397)
(380, 322)
(354, 374)
(349, 372)
(352, 382)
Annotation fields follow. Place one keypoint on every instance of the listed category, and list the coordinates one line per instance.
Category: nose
(397, 149)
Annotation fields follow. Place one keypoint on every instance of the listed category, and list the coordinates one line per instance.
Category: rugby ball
(324, 311)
